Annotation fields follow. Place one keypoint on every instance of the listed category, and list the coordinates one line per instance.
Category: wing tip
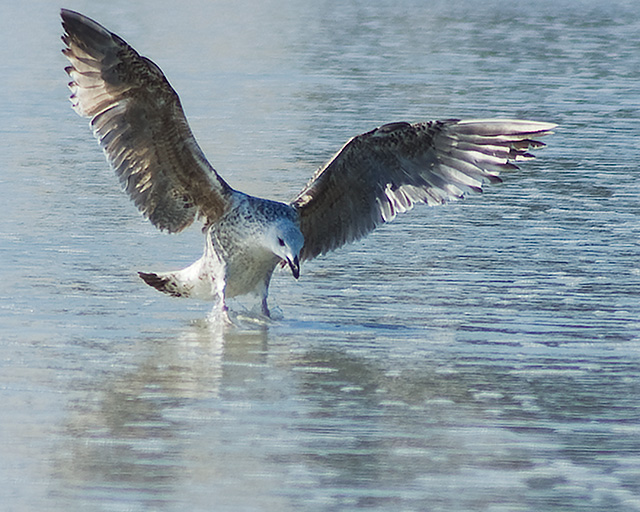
(499, 126)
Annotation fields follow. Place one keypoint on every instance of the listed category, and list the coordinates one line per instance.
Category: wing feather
(139, 122)
(387, 171)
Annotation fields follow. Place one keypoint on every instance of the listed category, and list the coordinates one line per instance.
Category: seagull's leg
(217, 275)
(220, 309)
(224, 313)
(265, 307)
(263, 292)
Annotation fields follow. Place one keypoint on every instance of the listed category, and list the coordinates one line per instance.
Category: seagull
(139, 122)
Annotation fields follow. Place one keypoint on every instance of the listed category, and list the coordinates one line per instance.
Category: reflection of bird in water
(139, 122)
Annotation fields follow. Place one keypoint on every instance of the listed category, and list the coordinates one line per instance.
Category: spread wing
(138, 120)
(387, 171)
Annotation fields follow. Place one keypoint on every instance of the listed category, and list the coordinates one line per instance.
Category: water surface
(482, 356)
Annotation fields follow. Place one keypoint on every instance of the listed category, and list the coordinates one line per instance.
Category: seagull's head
(285, 240)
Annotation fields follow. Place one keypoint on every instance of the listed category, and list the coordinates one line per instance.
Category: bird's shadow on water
(128, 428)
(183, 402)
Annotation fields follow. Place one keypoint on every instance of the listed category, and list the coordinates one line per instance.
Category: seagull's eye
(281, 242)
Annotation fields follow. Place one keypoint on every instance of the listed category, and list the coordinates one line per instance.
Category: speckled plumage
(138, 120)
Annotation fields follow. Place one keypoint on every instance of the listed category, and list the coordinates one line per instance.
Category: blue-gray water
(482, 356)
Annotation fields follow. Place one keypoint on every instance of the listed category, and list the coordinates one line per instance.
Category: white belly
(249, 272)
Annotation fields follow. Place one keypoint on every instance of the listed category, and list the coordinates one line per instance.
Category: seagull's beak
(294, 266)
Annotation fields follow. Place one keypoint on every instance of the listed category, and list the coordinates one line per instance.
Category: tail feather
(163, 283)
(203, 280)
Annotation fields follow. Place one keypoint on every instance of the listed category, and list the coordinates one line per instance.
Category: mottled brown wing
(138, 120)
(387, 171)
